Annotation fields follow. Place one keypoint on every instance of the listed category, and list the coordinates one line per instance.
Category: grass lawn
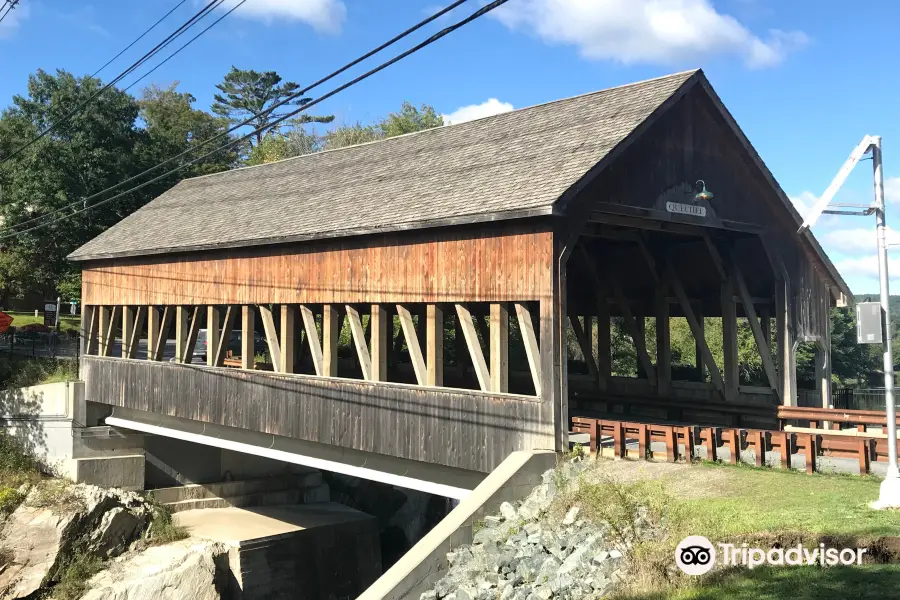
(739, 504)
(20, 319)
(744, 500)
(799, 583)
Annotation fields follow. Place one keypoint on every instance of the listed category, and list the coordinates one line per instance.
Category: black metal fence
(39, 344)
(858, 398)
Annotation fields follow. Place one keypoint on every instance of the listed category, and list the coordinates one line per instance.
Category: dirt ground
(682, 480)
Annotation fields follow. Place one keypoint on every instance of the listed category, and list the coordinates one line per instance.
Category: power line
(185, 45)
(437, 36)
(139, 38)
(172, 36)
(11, 5)
(244, 123)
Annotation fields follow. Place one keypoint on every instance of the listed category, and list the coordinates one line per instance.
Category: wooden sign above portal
(686, 209)
(681, 199)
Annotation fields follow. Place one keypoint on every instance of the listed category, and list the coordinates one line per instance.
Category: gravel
(522, 554)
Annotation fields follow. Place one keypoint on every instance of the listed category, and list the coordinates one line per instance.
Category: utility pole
(889, 494)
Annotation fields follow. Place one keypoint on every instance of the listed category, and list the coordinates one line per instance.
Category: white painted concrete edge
(426, 562)
(297, 459)
(61, 401)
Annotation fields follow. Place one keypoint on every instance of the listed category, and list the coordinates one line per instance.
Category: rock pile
(521, 555)
(58, 521)
(185, 569)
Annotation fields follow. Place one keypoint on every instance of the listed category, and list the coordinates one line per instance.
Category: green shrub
(21, 371)
(13, 456)
(10, 498)
(163, 529)
(73, 582)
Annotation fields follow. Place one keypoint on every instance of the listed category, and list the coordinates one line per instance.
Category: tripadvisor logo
(696, 555)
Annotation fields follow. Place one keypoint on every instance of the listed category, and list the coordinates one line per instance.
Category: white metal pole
(890, 488)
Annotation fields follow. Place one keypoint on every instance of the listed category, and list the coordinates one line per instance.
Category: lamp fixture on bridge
(704, 194)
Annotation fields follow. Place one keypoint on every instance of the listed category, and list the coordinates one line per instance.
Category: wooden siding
(812, 302)
(689, 143)
(463, 429)
(499, 263)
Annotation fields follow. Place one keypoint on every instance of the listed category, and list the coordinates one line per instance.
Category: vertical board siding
(812, 301)
(467, 430)
(508, 262)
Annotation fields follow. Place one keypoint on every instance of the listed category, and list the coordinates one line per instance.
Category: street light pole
(889, 494)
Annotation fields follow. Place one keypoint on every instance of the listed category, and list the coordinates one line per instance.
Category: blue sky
(805, 79)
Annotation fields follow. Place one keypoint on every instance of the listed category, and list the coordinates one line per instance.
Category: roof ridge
(432, 129)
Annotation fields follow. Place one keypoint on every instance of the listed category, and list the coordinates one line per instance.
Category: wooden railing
(682, 442)
(838, 419)
(673, 409)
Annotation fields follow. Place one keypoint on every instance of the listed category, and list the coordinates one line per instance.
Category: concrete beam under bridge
(433, 479)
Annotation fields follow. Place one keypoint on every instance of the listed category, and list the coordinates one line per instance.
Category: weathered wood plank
(165, 326)
(640, 342)
(359, 341)
(192, 332)
(107, 320)
(586, 350)
(634, 330)
(331, 333)
(383, 418)
(729, 342)
(248, 326)
(312, 338)
(288, 328)
(465, 322)
(663, 342)
(412, 344)
(499, 334)
(529, 337)
(675, 284)
(134, 338)
(213, 335)
(90, 325)
(604, 349)
(341, 271)
(434, 345)
(762, 344)
(152, 332)
(127, 330)
(268, 320)
(380, 347)
(224, 335)
(181, 333)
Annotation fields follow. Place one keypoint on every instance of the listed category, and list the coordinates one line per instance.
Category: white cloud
(865, 268)
(892, 189)
(648, 31)
(804, 202)
(326, 16)
(490, 107)
(855, 241)
(13, 20)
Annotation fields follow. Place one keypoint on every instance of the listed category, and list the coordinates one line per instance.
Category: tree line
(117, 136)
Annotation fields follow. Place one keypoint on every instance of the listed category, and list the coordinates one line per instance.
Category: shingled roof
(505, 166)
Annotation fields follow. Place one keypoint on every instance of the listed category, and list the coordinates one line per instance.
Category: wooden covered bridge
(415, 297)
